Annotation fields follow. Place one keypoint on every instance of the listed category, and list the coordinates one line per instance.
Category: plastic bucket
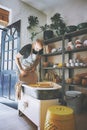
(73, 100)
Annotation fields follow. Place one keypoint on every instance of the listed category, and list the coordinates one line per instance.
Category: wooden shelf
(78, 85)
(67, 51)
(52, 54)
(66, 36)
(76, 50)
(76, 33)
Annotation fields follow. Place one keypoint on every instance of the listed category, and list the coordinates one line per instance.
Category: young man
(27, 60)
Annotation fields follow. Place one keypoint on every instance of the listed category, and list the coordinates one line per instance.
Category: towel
(18, 90)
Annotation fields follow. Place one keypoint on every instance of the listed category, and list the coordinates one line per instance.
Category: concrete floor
(81, 121)
(10, 120)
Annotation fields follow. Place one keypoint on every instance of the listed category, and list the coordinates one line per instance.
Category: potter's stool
(59, 117)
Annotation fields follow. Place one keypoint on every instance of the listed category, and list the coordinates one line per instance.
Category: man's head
(38, 45)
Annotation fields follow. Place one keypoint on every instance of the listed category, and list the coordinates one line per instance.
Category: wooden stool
(59, 118)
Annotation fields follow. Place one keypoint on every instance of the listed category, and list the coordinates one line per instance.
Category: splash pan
(42, 90)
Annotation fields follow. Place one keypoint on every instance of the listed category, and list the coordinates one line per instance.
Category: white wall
(73, 11)
(20, 10)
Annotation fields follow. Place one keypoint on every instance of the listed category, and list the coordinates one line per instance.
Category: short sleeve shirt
(26, 50)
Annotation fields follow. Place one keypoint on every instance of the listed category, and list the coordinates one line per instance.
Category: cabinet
(65, 54)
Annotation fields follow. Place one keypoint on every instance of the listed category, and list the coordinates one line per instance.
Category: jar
(81, 64)
(76, 64)
(70, 61)
(72, 64)
(67, 64)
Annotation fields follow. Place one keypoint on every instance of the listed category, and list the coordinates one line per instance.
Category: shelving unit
(70, 36)
(63, 53)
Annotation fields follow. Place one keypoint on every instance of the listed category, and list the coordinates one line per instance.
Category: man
(27, 60)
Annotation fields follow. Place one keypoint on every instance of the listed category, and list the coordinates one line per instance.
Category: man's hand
(33, 69)
(23, 72)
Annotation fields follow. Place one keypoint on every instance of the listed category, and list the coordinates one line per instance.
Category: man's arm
(36, 62)
(18, 63)
(17, 60)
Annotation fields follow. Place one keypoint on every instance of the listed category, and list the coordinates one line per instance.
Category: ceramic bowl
(53, 50)
(82, 25)
(71, 28)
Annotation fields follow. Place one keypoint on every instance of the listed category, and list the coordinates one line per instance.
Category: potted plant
(33, 24)
(47, 32)
(58, 24)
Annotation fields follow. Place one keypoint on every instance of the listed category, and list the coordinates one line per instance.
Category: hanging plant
(33, 22)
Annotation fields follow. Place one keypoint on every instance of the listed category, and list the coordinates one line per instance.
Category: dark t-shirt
(26, 50)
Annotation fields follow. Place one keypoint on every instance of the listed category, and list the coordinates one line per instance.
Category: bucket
(73, 100)
(59, 118)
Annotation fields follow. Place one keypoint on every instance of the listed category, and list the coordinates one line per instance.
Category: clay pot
(76, 80)
(45, 64)
(69, 80)
(84, 81)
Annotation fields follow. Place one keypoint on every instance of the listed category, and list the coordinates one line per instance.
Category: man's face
(38, 46)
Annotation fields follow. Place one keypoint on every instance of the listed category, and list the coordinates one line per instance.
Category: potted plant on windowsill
(58, 24)
(47, 32)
